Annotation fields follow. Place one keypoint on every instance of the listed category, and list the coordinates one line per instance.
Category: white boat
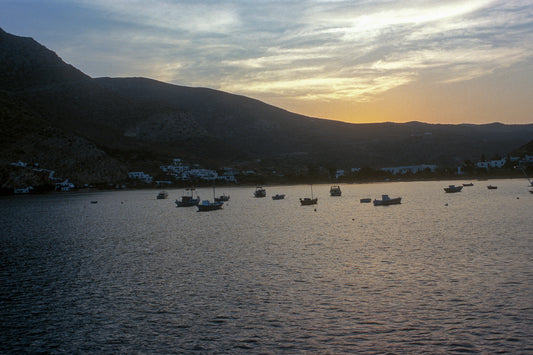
(453, 188)
(386, 200)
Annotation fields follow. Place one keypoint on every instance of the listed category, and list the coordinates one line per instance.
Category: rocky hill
(94, 130)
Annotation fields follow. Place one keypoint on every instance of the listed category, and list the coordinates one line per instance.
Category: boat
(278, 197)
(260, 192)
(189, 199)
(530, 187)
(222, 198)
(386, 200)
(162, 195)
(453, 188)
(206, 205)
(335, 190)
(365, 200)
(469, 184)
(306, 201)
(492, 187)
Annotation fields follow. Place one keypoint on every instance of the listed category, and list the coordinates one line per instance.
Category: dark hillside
(98, 129)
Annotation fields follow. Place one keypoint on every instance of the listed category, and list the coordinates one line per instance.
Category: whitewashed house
(410, 169)
(65, 186)
(495, 164)
(140, 175)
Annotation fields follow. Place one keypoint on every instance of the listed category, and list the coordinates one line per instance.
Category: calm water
(440, 273)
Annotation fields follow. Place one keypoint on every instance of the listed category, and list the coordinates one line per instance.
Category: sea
(120, 272)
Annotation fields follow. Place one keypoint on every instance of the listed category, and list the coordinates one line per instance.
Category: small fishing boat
(306, 201)
(278, 197)
(189, 199)
(469, 184)
(492, 187)
(206, 205)
(365, 200)
(162, 195)
(260, 192)
(222, 198)
(335, 190)
(453, 188)
(386, 201)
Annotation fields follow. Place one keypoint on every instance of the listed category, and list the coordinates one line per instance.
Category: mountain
(97, 129)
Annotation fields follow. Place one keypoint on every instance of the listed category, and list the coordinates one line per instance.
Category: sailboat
(306, 201)
(530, 187)
(206, 206)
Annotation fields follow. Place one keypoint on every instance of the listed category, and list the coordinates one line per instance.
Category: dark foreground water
(440, 273)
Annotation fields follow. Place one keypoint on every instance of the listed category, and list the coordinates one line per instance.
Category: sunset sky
(466, 61)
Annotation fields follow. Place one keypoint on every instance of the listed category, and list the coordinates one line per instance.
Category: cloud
(318, 49)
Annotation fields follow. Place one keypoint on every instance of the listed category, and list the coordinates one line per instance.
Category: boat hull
(452, 189)
(188, 202)
(308, 201)
(209, 206)
(392, 201)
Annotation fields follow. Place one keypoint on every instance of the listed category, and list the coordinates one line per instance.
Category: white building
(140, 175)
(410, 169)
(492, 163)
(204, 174)
(65, 186)
(527, 160)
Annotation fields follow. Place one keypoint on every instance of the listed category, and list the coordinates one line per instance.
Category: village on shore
(179, 173)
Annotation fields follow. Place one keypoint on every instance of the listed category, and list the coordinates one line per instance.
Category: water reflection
(439, 273)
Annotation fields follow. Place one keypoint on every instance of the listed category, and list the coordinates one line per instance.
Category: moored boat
(492, 187)
(335, 190)
(469, 184)
(278, 197)
(205, 206)
(222, 198)
(453, 188)
(189, 199)
(365, 200)
(386, 200)
(259, 192)
(306, 201)
(162, 195)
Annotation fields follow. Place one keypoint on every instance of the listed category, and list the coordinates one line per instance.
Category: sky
(358, 61)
